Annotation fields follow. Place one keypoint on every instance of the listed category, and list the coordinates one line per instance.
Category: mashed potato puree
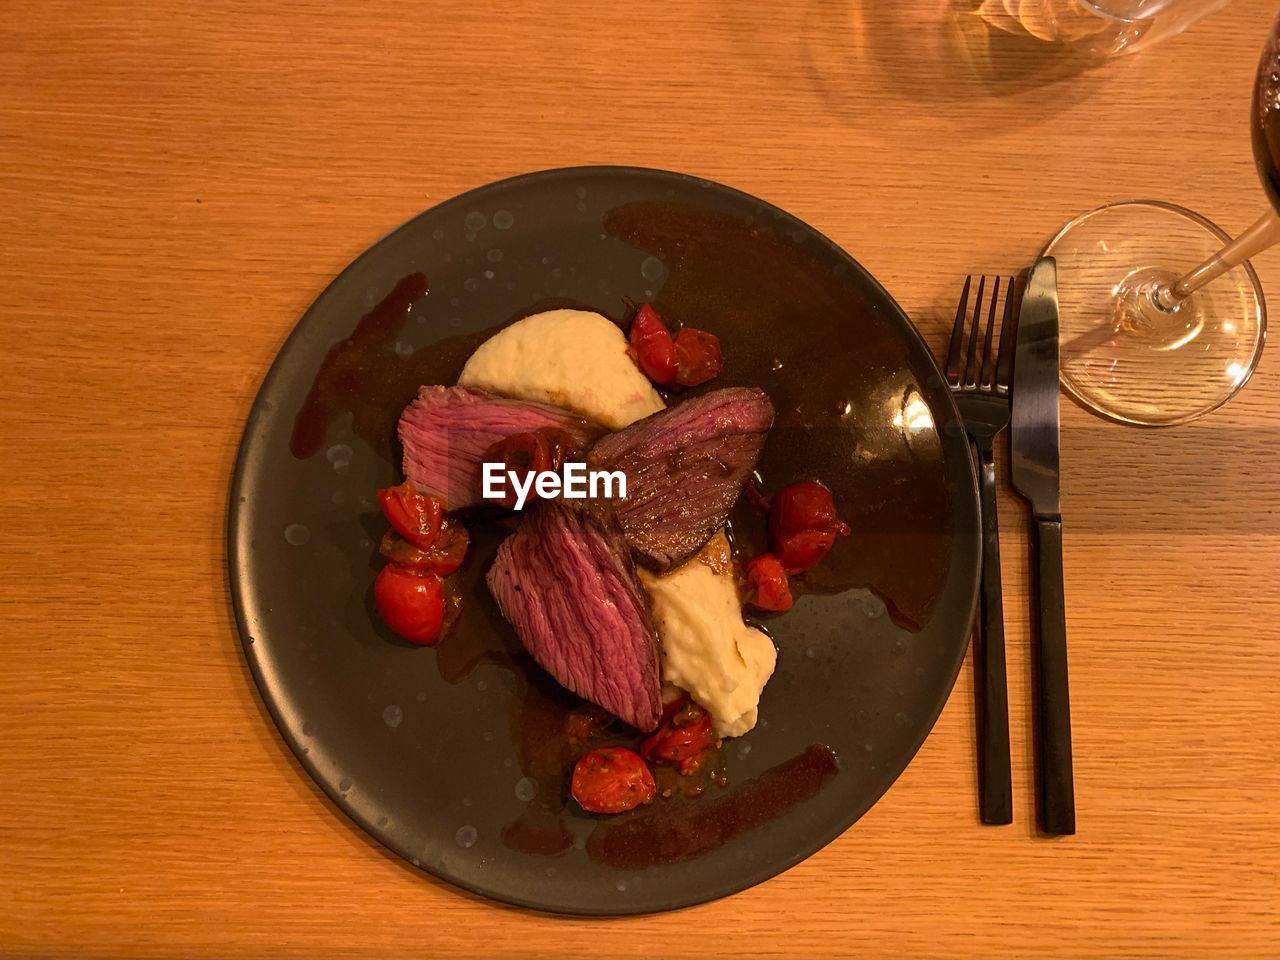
(706, 648)
(571, 358)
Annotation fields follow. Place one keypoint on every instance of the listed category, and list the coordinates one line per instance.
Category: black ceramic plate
(452, 756)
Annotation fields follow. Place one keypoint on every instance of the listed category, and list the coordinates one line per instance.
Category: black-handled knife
(1034, 462)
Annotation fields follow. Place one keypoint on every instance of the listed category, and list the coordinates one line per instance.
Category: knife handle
(995, 786)
(1057, 791)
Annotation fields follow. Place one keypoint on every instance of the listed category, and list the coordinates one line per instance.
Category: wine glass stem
(1264, 232)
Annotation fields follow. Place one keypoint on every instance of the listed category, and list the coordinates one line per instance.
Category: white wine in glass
(1100, 28)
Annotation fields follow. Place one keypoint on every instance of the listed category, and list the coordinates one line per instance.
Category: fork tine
(971, 371)
(1008, 326)
(954, 371)
(987, 370)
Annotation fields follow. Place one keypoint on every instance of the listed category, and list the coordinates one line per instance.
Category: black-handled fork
(980, 380)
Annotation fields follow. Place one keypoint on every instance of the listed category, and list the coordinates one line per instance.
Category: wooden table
(177, 183)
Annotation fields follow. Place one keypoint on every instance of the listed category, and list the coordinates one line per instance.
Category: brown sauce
(365, 377)
(682, 829)
(540, 834)
(480, 634)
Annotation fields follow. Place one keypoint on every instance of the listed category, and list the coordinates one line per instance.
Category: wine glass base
(1123, 358)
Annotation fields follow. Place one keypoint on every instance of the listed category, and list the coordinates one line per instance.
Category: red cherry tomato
(560, 445)
(525, 452)
(443, 558)
(697, 357)
(521, 454)
(802, 551)
(409, 603)
(611, 780)
(684, 736)
(803, 524)
(767, 584)
(547, 448)
(415, 516)
(652, 346)
(806, 505)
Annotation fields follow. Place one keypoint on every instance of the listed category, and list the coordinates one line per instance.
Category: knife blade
(1035, 459)
(1034, 441)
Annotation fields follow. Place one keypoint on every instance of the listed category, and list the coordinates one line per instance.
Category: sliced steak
(685, 467)
(566, 582)
(446, 432)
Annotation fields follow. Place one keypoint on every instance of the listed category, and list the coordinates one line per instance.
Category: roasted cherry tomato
(697, 357)
(560, 445)
(524, 452)
(767, 584)
(521, 454)
(410, 603)
(415, 516)
(802, 551)
(803, 524)
(806, 505)
(682, 739)
(611, 780)
(443, 558)
(547, 448)
(653, 347)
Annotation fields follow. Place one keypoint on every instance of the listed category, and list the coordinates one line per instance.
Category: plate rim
(964, 497)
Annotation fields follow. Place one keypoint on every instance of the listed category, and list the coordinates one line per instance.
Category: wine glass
(1144, 340)
(1101, 28)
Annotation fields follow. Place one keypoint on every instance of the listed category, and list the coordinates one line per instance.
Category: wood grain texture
(178, 181)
